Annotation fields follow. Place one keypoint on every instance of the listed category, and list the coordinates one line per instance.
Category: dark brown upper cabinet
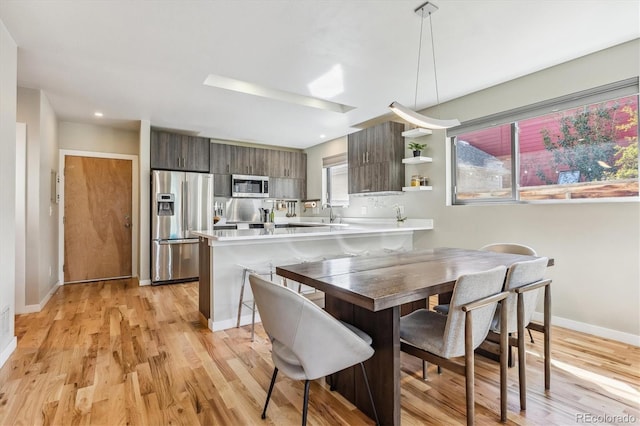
(375, 159)
(173, 151)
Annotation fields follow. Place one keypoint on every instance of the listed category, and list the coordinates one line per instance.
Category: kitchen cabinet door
(279, 162)
(357, 148)
(375, 159)
(166, 151)
(260, 161)
(385, 143)
(298, 165)
(242, 160)
(286, 188)
(196, 154)
(173, 151)
(222, 185)
(220, 158)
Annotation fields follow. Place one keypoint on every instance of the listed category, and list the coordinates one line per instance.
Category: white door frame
(135, 207)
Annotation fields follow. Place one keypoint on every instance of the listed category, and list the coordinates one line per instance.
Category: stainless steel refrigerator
(182, 202)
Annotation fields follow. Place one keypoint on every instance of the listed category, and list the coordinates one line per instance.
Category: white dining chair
(306, 342)
(437, 338)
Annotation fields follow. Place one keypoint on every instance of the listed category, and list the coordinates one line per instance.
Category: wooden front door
(97, 218)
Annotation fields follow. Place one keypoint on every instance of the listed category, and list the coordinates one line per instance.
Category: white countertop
(316, 231)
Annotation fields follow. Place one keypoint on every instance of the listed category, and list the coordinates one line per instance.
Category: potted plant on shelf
(417, 148)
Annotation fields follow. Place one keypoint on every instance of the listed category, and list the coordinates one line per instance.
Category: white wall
(109, 142)
(34, 109)
(96, 138)
(21, 215)
(144, 156)
(8, 79)
(596, 246)
(49, 209)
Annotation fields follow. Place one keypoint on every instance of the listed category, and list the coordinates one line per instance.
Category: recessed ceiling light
(267, 92)
(98, 114)
(323, 136)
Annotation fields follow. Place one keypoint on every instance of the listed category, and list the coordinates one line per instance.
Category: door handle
(127, 221)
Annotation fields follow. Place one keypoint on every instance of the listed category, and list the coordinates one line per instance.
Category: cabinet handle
(367, 156)
(363, 160)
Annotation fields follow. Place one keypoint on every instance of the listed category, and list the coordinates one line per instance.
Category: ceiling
(147, 60)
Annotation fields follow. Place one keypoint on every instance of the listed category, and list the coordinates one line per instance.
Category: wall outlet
(363, 210)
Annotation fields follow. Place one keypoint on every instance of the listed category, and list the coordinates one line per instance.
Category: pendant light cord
(415, 99)
(435, 72)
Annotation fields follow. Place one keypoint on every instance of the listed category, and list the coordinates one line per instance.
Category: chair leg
(244, 279)
(333, 382)
(424, 370)
(439, 370)
(366, 382)
(547, 337)
(253, 321)
(273, 381)
(530, 335)
(504, 347)
(306, 402)
(469, 368)
(522, 376)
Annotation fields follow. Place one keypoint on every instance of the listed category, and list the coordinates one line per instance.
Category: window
(580, 147)
(335, 181)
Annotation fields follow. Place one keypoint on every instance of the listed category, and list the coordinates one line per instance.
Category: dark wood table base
(383, 368)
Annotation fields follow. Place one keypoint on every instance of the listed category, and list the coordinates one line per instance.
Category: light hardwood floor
(115, 353)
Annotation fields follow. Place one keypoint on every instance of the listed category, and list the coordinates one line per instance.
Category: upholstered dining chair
(437, 338)
(306, 342)
(512, 248)
(523, 282)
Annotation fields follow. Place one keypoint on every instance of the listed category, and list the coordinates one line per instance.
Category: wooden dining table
(371, 292)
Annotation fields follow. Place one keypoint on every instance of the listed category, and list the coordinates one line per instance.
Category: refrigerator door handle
(185, 206)
(181, 241)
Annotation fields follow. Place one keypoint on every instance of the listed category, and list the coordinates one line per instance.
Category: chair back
(469, 288)
(321, 343)
(511, 248)
(520, 274)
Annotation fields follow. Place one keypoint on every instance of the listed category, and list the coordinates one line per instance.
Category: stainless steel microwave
(247, 186)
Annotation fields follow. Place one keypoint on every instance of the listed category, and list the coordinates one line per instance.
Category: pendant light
(407, 114)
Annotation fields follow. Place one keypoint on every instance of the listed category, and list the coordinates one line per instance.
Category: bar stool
(266, 269)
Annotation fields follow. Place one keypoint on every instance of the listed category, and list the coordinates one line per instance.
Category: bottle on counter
(272, 216)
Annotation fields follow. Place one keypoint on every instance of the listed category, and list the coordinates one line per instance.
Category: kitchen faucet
(332, 217)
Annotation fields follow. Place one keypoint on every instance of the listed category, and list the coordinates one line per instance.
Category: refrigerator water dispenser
(166, 204)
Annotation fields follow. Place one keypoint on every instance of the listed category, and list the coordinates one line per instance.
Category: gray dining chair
(511, 248)
(485, 349)
(306, 342)
(524, 281)
(437, 338)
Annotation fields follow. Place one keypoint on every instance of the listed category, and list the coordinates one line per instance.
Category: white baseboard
(144, 282)
(231, 323)
(6, 352)
(29, 309)
(607, 333)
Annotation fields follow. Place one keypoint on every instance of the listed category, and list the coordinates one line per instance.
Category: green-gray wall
(596, 245)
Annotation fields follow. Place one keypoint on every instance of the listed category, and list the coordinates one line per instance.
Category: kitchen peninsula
(223, 253)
